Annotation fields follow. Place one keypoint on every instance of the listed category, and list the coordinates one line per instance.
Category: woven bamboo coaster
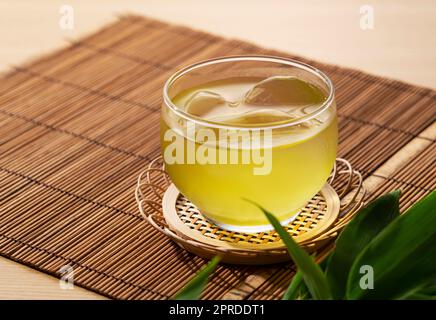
(318, 222)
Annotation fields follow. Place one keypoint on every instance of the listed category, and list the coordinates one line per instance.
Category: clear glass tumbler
(243, 129)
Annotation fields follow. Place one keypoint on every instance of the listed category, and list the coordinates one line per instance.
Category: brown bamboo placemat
(77, 127)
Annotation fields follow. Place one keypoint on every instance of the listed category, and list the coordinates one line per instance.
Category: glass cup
(279, 160)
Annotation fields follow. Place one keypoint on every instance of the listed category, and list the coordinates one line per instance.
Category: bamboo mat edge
(132, 16)
(52, 275)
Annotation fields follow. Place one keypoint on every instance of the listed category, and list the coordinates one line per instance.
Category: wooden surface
(20, 282)
(400, 46)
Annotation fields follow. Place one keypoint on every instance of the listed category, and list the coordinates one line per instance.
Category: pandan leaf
(194, 288)
(402, 256)
(294, 288)
(297, 288)
(368, 222)
(312, 274)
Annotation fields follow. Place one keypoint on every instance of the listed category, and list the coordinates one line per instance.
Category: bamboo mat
(78, 126)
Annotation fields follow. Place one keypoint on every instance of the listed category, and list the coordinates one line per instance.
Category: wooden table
(399, 46)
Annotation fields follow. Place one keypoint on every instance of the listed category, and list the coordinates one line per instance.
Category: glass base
(249, 229)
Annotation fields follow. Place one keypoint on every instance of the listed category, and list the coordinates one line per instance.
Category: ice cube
(284, 91)
(202, 103)
(255, 117)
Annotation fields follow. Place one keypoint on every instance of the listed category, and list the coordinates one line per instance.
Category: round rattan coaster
(167, 210)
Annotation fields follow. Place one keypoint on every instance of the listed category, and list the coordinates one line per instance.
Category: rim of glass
(235, 58)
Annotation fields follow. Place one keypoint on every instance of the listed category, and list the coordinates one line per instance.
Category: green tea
(302, 153)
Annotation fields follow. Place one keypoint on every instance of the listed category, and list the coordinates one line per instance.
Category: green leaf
(429, 290)
(297, 288)
(293, 290)
(313, 277)
(368, 222)
(402, 256)
(303, 292)
(194, 288)
(420, 296)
